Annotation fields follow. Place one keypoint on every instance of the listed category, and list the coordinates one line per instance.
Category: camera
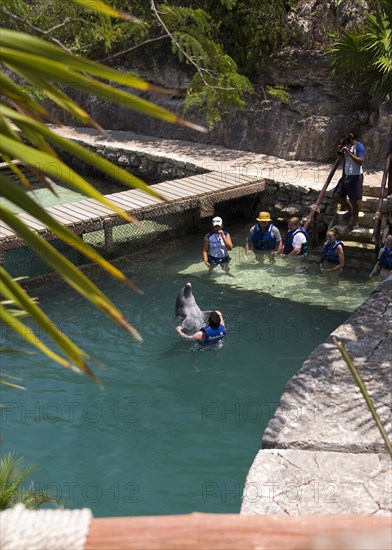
(343, 143)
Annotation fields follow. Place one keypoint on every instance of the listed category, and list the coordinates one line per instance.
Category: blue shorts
(217, 261)
(350, 186)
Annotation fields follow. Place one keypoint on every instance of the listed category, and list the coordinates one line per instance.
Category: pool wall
(322, 452)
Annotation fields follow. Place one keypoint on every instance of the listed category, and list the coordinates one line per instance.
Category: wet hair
(334, 231)
(294, 220)
(214, 319)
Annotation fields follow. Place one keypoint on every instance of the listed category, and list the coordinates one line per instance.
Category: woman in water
(332, 257)
(383, 265)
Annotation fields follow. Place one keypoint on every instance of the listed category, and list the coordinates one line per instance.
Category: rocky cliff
(320, 109)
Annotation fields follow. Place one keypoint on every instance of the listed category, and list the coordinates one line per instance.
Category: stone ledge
(322, 452)
(311, 482)
(322, 407)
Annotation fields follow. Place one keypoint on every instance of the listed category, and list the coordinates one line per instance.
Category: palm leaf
(21, 199)
(71, 274)
(102, 7)
(57, 170)
(77, 150)
(25, 332)
(12, 480)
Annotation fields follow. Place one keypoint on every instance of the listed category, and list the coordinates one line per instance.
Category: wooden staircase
(361, 238)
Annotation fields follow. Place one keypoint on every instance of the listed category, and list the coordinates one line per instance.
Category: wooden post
(315, 227)
(376, 237)
(316, 206)
(108, 231)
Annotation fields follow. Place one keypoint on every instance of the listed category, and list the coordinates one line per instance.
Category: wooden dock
(199, 192)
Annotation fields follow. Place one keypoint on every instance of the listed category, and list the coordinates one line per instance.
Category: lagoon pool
(172, 431)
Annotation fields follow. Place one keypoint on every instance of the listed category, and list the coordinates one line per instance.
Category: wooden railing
(236, 532)
(315, 208)
(387, 175)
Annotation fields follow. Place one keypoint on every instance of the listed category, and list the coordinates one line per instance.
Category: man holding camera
(350, 184)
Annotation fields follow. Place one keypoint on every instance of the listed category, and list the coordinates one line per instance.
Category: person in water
(217, 243)
(211, 333)
(332, 256)
(383, 266)
(264, 238)
(297, 240)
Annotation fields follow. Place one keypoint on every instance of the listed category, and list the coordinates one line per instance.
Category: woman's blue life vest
(217, 249)
(213, 334)
(263, 238)
(385, 260)
(328, 253)
(288, 245)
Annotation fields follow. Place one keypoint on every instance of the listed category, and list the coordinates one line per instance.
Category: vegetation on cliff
(365, 55)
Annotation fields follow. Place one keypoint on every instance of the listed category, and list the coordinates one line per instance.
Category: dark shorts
(217, 261)
(349, 186)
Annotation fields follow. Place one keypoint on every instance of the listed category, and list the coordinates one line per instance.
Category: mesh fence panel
(130, 237)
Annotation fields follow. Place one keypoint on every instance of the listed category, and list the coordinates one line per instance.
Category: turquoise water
(172, 431)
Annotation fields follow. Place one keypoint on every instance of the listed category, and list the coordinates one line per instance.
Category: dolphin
(188, 311)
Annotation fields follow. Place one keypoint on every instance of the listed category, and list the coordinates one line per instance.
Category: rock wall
(322, 452)
(321, 108)
(142, 164)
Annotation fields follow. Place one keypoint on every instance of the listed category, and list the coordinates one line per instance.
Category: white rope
(23, 529)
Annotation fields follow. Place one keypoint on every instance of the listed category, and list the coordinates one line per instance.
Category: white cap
(217, 221)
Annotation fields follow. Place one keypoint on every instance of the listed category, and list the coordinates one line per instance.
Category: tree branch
(37, 29)
(133, 47)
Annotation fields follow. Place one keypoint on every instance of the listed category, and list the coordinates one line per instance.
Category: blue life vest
(217, 249)
(288, 245)
(263, 239)
(328, 253)
(213, 334)
(385, 260)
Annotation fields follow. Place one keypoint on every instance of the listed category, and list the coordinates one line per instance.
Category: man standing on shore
(351, 183)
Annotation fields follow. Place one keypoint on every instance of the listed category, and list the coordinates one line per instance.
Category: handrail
(202, 531)
(315, 208)
(390, 167)
(378, 215)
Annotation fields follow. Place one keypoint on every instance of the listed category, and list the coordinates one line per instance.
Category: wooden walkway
(200, 192)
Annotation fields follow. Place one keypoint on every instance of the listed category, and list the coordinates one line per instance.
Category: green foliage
(71, 25)
(13, 485)
(248, 30)
(278, 92)
(217, 86)
(220, 40)
(365, 56)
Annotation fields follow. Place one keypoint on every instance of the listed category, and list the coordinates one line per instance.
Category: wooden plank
(88, 213)
(235, 532)
(176, 191)
(139, 193)
(60, 216)
(128, 203)
(131, 196)
(66, 212)
(197, 182)
(5, 231)
(99, 209)
(167, 194)
(209, 185)
(195, 186)
(71, 210)
(193, 189)
(233, 179)
(31, 222)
